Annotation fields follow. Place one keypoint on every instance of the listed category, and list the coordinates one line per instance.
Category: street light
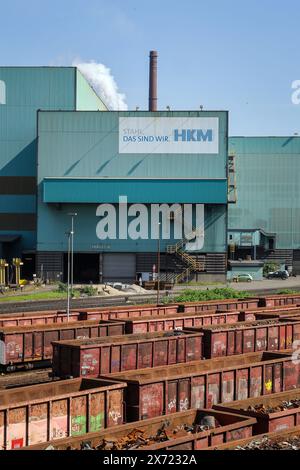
(158, 264)
(72, 215)
(70, 261)
(68, 287)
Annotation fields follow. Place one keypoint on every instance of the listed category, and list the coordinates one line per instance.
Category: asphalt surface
(257, 286)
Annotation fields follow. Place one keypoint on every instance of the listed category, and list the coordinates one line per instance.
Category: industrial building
(140, 182)
(263, 218)
(24, 90)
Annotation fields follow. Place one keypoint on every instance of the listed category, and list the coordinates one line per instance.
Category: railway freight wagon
(27, 345)
(281, 440)
(292, 314)
(245, 337)
(182, 431)
(38, 413)
(93, 357)
(279, 300)
(228, 304)
(273, 413)
(168, 389)
(178, 321)
(132, 311)
(36, 318)
(101, 313)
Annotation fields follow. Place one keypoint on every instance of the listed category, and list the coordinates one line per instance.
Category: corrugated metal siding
(17, 204)
(268, 192)
(89, 144)
(54, 222)
(86, 144)
(27, 90)
(86, 98)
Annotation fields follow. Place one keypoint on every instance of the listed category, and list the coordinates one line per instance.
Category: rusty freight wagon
(98, 356)
(293, 314)
(178, 321)
(254, 313)
(271, 312)
(186, 430)
(35, 318)
(281, 440)
(201, 384)
(273, 413)
(279, 300)
(38, 413)
(228, 304)
(245, 337)
(28, 344)
(132, 311)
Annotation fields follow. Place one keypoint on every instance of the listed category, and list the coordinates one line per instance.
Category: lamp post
(158, 264)
(68, 287)
(70, 261)
(72, 215)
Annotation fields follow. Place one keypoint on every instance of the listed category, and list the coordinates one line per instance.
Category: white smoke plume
(103, 82)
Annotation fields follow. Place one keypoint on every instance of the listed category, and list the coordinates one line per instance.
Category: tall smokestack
(153, 81)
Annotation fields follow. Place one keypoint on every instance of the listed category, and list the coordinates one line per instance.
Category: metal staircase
(178, 248)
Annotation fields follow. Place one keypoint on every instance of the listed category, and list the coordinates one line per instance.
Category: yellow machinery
(3, 266)
(17, 262)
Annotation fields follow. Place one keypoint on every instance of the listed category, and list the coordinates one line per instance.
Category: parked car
(242, 278)
(278, 275)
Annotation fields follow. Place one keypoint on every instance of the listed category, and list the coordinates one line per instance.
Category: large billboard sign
(150, 135)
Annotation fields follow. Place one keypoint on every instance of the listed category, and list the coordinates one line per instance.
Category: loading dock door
(296, 262)
(119, 267)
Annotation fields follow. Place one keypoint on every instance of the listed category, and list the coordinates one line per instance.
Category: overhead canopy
(138, 190)
(9, 238)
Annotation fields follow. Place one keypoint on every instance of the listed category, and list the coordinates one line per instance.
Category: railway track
(90, 302)
(23, 378)
(29, 306)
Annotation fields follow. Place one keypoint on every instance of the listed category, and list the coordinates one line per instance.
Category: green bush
(61, 287)
(88, 290)
(190, 295)
(287, 291)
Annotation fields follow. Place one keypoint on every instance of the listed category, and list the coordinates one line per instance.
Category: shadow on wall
(288, 141)
(24, 163)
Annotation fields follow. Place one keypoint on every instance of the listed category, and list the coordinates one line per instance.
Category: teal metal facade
(268, 191)
(54, 224)
(88, 143)
(86, 97)
(79, 166)
(24, 90)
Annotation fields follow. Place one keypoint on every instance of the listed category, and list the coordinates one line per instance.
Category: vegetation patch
(287, 291)
(190, 295)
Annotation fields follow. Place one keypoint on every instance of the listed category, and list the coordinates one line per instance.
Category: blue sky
(222, 54)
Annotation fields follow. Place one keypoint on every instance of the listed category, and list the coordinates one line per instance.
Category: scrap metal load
(282, 440)
(188, 430)
(282, 406)
(138, 438)
(275, 412)
(265, 443)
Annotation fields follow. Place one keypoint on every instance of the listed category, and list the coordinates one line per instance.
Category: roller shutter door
(119, 267)
(296, 262)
